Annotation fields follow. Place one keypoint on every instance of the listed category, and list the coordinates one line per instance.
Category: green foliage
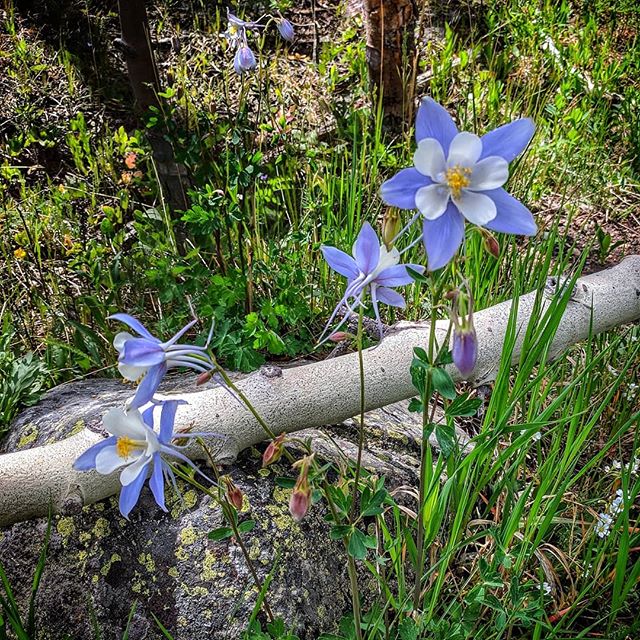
(22, 380)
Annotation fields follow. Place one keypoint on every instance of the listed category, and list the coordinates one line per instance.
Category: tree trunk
(320, 393)
(391, 55)
(143, 76)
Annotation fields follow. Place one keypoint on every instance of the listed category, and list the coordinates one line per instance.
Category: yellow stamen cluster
(124, 446)
(233, 29)
(457, 178)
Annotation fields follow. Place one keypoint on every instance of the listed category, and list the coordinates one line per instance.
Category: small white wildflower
(603, 525)
(547, 588)
(616, 464)
(537, 435)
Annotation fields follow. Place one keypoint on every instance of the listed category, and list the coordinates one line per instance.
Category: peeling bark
(320, 393)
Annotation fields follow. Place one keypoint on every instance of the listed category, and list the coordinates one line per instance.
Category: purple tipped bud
(491, 245)
(244, 60)
(465, 350)
(286, 30)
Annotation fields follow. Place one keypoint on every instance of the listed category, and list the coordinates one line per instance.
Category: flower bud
(390, 227)
(465, 349)
(234, 495)
(286, 29)
(491, 245)
(273, 451)
(299, 502)
(339, 336)
(301, 496)
(244, 60)
(204, 377)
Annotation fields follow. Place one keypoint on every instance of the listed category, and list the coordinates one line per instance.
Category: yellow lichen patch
(84, 537)
(101, 528)
(147, 562)
(173, 572)
(77, 428)
(95, 578)
(106, 567)
(181, 554)
(209, 573)
(188, 535)
(29, 436)
(281, 495)
(197, 591)
(254, 551)
(281, 518)
(182, 621)
(189, 500)
(65, 527)
(82, 556)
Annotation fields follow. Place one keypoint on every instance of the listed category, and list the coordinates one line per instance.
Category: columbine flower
(458, 176)
(135, 445)
(244, 60)
(147, 358)
(373, 268)
(286, 29)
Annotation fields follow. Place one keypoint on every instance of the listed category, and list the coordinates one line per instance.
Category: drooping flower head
(244, 60)
(372, 268)
(135, 447)
(458, 176)
(465, 342)
(147, 358)
(285, 28)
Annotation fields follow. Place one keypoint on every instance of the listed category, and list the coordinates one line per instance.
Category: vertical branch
(135, 43)
(391, 54)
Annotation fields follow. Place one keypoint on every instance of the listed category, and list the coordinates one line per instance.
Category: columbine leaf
(445, 434)
(463, 406)
(357, 547)
(246, 526)
(443, 383)
(221, 533)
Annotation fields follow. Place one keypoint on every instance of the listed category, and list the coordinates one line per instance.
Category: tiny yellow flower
(20, 253)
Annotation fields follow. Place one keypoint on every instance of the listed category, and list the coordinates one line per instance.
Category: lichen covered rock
(100, 564)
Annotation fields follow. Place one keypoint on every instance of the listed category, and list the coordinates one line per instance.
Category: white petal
(476, 207)
(129, 474)
(465, 150)
(108, 460)
(432, 200)
(125, 424)
(490, 173)
(120, 339)
(429, 158)
(129, 372)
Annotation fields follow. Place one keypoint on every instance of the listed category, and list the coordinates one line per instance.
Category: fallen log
(317, 394)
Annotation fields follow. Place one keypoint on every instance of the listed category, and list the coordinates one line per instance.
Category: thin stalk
(227, 510)
(362, 401)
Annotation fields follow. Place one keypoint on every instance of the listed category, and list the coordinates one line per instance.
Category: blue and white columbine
(372, 268)
(147, 358)
(458, 176)
(134, 446)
